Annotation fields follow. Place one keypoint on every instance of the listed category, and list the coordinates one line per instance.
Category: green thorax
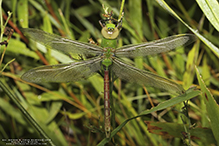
(109, 43)
(109, 46)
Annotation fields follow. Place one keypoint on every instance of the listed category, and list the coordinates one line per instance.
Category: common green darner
(107, 58)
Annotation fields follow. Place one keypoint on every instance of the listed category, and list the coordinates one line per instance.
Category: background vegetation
(70, 113)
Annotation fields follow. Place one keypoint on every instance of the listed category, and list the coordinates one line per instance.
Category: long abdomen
(106, 103)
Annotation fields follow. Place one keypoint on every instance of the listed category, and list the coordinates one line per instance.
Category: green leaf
(97, 82)
(136, 18)
(50, 96)
(210, 9)
(173, 101)
(22, 9)
(10, 110)
(190, 67)
(54, 110)
(206, 71)
(47, 26)
(211, 106)
(74, 116)
(19, 48)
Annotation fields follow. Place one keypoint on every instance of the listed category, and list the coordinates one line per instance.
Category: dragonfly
(107, 57)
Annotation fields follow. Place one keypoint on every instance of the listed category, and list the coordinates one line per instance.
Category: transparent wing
(61, 44)
(141, 77)
(63, 72)
(158, 46)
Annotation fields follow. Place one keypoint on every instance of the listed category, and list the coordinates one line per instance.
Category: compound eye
(110, 29)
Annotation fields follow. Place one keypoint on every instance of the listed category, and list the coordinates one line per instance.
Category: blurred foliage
(70, 113)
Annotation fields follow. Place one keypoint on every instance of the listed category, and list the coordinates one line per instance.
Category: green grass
(70, 113)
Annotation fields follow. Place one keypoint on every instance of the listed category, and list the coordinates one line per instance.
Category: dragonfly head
(110, 27)
(110, 31)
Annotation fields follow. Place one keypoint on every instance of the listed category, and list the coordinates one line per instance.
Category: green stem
(121, 10)
(6, 65)
(9, 16)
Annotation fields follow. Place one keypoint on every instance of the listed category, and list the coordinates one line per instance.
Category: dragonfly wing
(61, 44)
(155, 47)
(141, 77)
(63, 72)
